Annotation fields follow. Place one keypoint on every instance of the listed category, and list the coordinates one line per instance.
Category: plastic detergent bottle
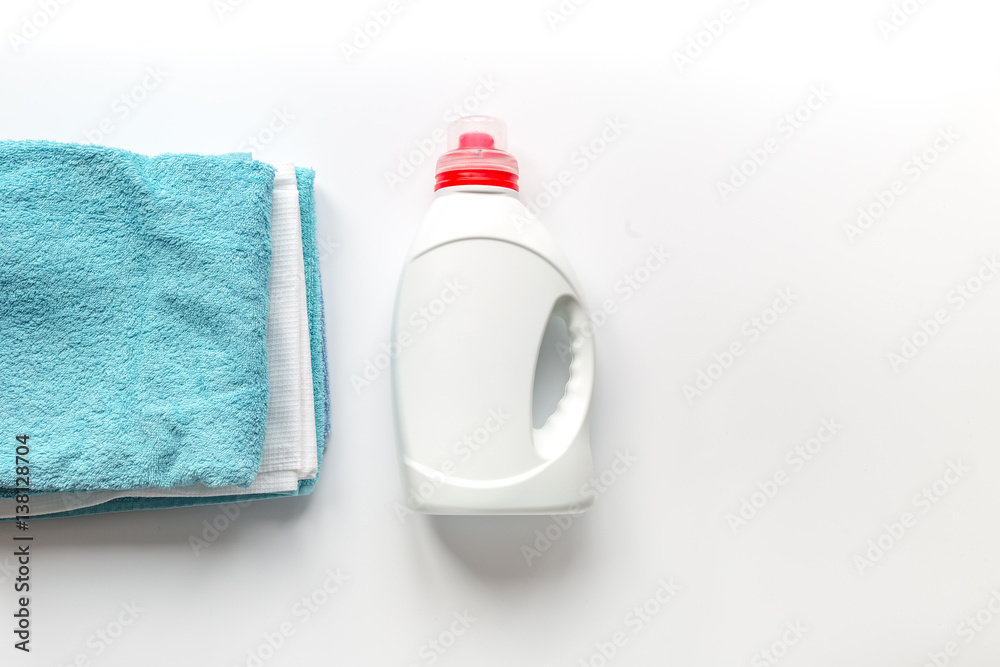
(481, 282)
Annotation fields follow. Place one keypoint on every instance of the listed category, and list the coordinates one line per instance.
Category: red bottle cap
(476, 155)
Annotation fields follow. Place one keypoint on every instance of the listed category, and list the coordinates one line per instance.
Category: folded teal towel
(133, 315)
(320, 373)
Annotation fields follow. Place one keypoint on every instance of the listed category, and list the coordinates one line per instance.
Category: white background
(686, 128)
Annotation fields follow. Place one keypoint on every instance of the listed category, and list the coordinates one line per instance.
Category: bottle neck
(483, 189)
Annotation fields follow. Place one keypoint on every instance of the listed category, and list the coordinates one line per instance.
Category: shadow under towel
(133, 316)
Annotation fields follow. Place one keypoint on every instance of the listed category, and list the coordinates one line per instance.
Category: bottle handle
(563, 426)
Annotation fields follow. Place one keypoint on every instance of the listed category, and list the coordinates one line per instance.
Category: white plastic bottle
(481, 282)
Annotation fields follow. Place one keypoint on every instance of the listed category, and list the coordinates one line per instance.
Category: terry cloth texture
(314, 294)
(133, 316)
(290, 445)
(80, 504)
(317, 318)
